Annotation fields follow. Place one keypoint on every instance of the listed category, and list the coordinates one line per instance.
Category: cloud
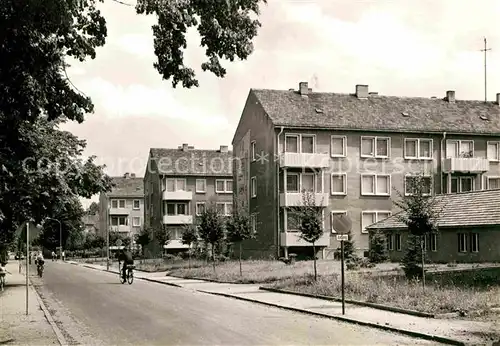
(138, 99)
(140, 45)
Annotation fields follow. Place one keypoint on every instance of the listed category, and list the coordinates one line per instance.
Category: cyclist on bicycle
(125, 256)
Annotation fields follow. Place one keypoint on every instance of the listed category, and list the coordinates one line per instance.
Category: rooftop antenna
(485, 50)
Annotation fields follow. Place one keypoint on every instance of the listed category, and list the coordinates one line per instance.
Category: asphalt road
(92, 307)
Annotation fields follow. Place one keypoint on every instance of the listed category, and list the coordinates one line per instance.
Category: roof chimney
(132, 175)
(450, 96)
(498, 99)
(303, 88)
(224, 149)
(361, 91)
(126, 175)
(185, 147)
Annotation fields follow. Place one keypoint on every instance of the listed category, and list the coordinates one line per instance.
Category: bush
(412, 260)
(378, 247)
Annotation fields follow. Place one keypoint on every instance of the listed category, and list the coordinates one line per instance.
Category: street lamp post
(60, 235)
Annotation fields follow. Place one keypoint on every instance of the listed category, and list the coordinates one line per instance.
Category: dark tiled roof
(478, 208)
(193, 162)
(382, 113)
(127, 187)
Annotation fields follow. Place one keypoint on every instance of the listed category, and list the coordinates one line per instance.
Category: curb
(136, 277)
(59, 335)
(353, 302)
(440, 339)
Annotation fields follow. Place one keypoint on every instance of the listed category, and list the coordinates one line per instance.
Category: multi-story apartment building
(122, 209)
(353, 151)
(179, 184)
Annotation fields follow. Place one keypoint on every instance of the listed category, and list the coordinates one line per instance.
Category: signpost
(342, 224)
(32, 231)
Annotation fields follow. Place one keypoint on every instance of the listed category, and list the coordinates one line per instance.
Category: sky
(399, 48)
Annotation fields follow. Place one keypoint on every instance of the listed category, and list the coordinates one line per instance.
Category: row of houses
(352, 151)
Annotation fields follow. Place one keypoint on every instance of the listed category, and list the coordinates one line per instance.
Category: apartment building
(353, 151)
(122, 209)
(179, 183)
(468, 229)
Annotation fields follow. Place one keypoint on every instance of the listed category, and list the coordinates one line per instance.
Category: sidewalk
(15, 327)
(450, 331)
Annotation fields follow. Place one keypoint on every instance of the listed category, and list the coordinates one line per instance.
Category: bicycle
(129, 274)
(39, 268)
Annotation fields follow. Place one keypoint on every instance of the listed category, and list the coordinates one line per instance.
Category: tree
(419, 212)
(378, 247)
(350, 256)
(189, 236)
(143, 238)
(239, 228)
(211, 228)
(36, 94)
(309, 218)
(93, 208)
(162, 236)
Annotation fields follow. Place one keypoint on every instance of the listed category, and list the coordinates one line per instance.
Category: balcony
(178, 195)
(119, 211)
(175, 244)
(304, 160)
(293, 239)
(120, 229)
(177, 219)
(466, 165)
(294, 199)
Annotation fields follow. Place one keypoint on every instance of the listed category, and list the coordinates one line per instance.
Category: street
(92, 307)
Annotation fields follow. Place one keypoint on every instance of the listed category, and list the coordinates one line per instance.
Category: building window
(300, 143)
(137, 204)
(458, 148)
(493, 183)
(201, 185)
(121, 204)
(252, 150)
(397, 240)
(461, 184)
(176, 185)
(333, 214)
(390, 242)
(200, 208)
(474, 242)
(493, 151)
(296, 182)
(339, 184)
(119, 221)
(338, 146)
(136, 221)
(418, 148)
(253, 223)
(292, 182)
(292, 221)
(253, 186)
(370, 217)
(177, 209)
(224, 208)
(375, 184)
(224, 186)
(114, 203)
(410, 180)
(462, 242)
(433, 241)
(375, 147)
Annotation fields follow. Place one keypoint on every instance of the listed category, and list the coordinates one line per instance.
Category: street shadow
(7, 285)
(7, 342)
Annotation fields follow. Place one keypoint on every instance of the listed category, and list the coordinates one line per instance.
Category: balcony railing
(177, 219)
(304, 160)
(178, 195)
(294, 239)
(466, 164)
(119, 211)
(175, 244)
(120, 229)
(295, 199)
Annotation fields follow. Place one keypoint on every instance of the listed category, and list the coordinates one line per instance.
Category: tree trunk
(241, 271)
(422, 248)
(189, 257)
(314, 257)
(213, 256)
